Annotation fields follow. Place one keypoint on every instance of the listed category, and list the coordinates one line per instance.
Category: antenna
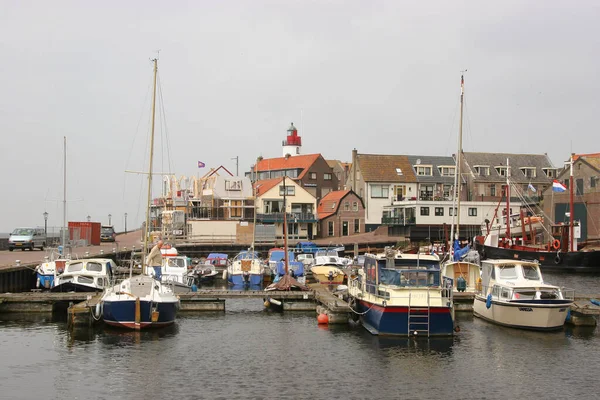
(237, 164)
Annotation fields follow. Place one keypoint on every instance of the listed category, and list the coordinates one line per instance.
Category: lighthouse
(293, 142)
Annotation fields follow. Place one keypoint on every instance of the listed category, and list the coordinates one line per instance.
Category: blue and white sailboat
(246, 269)
(141, 301)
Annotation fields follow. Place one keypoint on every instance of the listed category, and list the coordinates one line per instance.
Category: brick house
(341, 213)
(586, 196)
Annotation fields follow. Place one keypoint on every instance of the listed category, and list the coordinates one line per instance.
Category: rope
(359, 313)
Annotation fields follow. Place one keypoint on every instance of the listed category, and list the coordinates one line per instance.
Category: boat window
(94, 266)
(531, 272)
(508, 272)
(177, 262)
(505, 293)
(496, 291)
(74, 267)
(85, 279)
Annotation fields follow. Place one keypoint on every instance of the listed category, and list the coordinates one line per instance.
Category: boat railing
(383, 290)
(528, 293)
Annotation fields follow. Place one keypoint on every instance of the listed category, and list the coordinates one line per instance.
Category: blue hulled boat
(246, 269)
(403, 294)
(139, 302)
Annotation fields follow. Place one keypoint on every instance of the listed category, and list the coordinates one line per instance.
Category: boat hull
(324, 279)
(393, 320)
(549, 260)
(122, 314)
(541, 315)
(75, 287)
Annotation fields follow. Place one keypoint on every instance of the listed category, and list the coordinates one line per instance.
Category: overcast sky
(378, 76)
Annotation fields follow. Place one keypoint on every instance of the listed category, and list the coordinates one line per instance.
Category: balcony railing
(291, 217)
(397, 221)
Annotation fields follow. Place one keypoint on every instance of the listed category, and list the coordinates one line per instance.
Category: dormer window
(424, 170)
(447, 170)
(528, 172)
(549, 172)
(482, 170)
(501, 170)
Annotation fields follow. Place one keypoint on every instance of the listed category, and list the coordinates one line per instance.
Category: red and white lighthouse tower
(293, 142)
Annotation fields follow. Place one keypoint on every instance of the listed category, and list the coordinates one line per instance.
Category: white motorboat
(514, 294)
(86, 275)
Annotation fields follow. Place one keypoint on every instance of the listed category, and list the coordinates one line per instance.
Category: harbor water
(249, 353)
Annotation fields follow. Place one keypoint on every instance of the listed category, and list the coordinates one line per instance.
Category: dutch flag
(558, 187)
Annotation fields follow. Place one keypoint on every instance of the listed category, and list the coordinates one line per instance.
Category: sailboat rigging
(142, 301)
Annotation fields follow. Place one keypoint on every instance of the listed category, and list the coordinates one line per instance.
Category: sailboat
(142, 301)
(286, 281)
(559, 253)
(54, 263)
(465, 274)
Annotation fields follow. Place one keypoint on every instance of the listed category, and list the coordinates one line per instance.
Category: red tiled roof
(589, 155)
(264, 186)
(330, 203)
(303, 161)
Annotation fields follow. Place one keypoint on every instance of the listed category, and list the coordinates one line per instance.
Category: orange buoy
(323, 319)
(556, 244)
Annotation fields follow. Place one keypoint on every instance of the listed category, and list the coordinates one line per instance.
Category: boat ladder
(418, 318)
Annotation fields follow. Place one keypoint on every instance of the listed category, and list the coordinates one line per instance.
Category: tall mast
(285, 243)
(507, 200)
(571, 208)
(459, 156)
(254, 225)
(62, 231)
(147, 225)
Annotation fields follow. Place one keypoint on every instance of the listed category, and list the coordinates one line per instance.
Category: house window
(236, 209)
(233, 185)
(472, 212)
(439, 211)
(529, 172)
(492, 190)
(426, 192)
(447, 171)
(355, 206)
(501, 171)
(347, 206)
(448, 192)
(289, 190)
(579, 186)
(593, 181)
(356, 225)
(330, 228)
(451, 211)
(550, 172)
(424, 210)
(327, 177)
(424, 170)
(399, 171)
(380, 191)
(312, 175)
(482, 170)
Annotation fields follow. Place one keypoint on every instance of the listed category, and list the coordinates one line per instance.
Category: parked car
(27, 238)
(107, 234)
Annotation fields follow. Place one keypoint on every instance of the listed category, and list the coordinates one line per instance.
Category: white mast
(457, 179)
(147, 225)
(62, 231)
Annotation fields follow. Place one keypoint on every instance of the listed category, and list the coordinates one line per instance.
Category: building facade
(341, 213)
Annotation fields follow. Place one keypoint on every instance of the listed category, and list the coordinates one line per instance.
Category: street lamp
(109, 217)
(89, 218)
(125, 222)
(45, 223)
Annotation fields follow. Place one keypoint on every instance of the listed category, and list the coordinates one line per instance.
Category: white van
(27, 238)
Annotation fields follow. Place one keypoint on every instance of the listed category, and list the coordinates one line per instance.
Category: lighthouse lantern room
(292, 143)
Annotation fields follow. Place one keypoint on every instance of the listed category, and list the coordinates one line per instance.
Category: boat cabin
(518, 280)
(92, 272)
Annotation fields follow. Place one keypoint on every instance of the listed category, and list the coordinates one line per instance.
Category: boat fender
(457, 328)
(98, 312)
(595, 302)
(568, 318)
(194, 287)
(557, 259)
(488, 301)
(556, 244)
(37, 283)
(224, 274)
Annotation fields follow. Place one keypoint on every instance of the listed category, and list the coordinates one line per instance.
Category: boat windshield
(407, 277)
(530, 272)
(94, 266)
(178, 262)
(246, 255)
(508, 272)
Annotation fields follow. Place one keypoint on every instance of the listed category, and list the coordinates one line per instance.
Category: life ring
(556, 244)
(557, 259)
